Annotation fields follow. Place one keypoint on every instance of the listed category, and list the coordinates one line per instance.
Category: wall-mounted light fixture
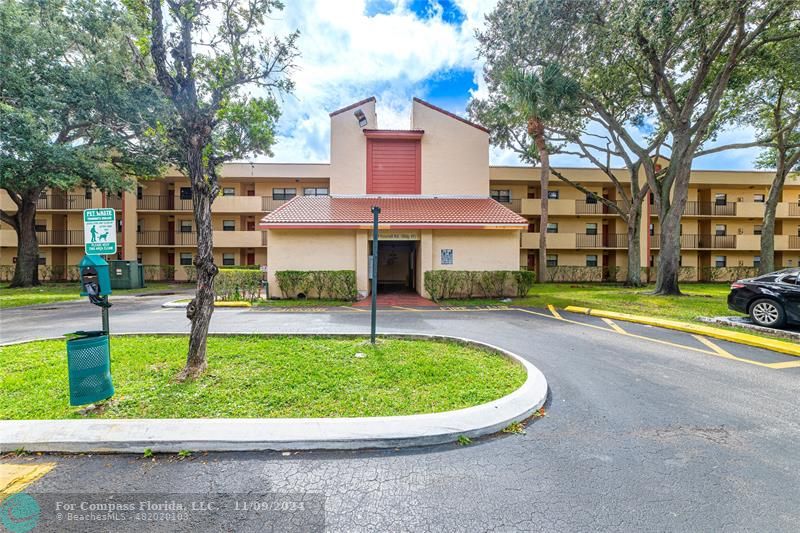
(361, 117)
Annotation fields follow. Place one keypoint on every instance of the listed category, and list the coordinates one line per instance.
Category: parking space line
(785, 364)
(614, 326)
(15, 477)
(555, 313)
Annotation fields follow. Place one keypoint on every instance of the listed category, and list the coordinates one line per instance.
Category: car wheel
(767, 313)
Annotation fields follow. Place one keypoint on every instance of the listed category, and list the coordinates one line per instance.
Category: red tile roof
(408, 212)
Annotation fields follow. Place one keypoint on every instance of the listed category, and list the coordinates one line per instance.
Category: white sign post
(99, 231)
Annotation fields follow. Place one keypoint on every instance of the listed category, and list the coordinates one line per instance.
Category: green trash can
(125, 274)
(89, 366)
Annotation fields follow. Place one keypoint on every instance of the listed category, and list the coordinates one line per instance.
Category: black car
(771, 300)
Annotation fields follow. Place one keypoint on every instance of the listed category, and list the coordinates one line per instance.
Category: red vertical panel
(394, 166)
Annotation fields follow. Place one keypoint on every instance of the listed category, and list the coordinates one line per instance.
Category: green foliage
(463, 440)
(148, 453)
(331, 284)
(238, 284)
(718, 274)
(446, 284)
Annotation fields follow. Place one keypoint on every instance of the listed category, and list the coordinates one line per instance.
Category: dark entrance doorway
(396, 266)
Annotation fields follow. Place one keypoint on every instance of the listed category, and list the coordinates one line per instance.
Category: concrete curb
(252, 434)
(744, 322)
(717, 333)
(182, 305)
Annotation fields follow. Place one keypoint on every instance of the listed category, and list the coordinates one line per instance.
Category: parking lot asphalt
(646, 429)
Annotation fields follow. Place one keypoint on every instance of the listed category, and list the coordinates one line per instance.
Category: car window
(767, 279)
(791, 279)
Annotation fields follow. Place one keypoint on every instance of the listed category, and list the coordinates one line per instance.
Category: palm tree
(539, 97)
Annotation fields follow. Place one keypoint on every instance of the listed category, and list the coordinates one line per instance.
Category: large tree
(678, 54)
(75, 109)
(220, 69)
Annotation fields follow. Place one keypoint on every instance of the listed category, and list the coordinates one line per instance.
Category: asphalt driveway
(646, 429)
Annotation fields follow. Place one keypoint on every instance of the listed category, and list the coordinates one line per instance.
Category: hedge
(330, 284)
(445, 284)
(233, 284)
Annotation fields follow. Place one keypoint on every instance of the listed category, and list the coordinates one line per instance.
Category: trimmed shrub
(191, 272)
(238, 284)
(330, 284)
(445, 284)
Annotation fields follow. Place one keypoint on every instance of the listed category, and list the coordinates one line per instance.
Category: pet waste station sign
(99, 231)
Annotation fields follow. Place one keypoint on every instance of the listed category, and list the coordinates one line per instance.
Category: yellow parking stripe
(614, 326)
(14, 478)
(787, 364)
(555, 313)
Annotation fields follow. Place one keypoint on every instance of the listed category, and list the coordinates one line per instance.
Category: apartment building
(433, 182)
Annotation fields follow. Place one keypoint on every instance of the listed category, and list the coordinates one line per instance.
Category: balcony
(701, 209)
(237, 204)
(608, 240)
(222, 204)
(533, 206)
(711, 242)
(157, 202)
(582, 207)
(237, 239)
(69, 202)
(560, 241)
(788, 209)
(269, 204)
(794, 242)
(165, 238)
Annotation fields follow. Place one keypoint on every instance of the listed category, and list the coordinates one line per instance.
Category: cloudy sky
(395, 50)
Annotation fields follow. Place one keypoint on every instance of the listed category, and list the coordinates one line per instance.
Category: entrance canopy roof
(411, 212)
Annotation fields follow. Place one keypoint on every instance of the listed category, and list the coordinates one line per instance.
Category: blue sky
(396, 50)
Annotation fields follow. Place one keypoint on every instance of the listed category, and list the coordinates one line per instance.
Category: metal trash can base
(89, 366)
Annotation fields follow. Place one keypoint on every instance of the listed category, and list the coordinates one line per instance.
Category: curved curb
(280, 434)
(177, 304)
(789, 348)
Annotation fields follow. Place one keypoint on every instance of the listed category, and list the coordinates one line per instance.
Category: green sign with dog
(99, 231)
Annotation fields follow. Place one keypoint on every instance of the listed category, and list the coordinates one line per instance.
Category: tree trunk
(201, 307)
(768, 225)
(669, 216)
(537, 130)
(634, 276)
(26, 271)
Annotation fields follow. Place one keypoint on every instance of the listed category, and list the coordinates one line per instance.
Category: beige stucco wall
(348, 167)
(455, 155)
(314, 250)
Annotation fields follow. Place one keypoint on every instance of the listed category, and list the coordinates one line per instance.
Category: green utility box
(89, 366)
(125, 275)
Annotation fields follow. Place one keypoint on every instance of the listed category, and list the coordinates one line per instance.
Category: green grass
(700, 299)
(256, 376)
(47, 293)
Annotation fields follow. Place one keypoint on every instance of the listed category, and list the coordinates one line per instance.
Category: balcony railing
(582, 207)
(75, 201)
(710, 209)
(794, 209)
(700, 241)
(515, 204)
(263, 238)
(608, 240)
(268, 203)
(66, 237)
(166, 238)
(794, 242)
(158, 202)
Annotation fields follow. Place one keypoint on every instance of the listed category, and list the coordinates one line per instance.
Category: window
(791, 279)
(552, 260)
(552, 227)
(652, 261)
(501, 195)
(87, 193)
(186, 193)
(652, 198)
(591, 260)
(720, 261)
(139, 225)
(315, 191)
(680, 260)
(591, 199)
(139, 193)
(759, 198)
(186, 258)
(42, 260)
(228, 260)
(757, 229)
(591, 229)
(756, 261)
(186, 226)
(553, 195)
(228, 191)
(720, 199)
(40, 225)
(652, 229)
(283, 194)
(721, 230)
(228, 225)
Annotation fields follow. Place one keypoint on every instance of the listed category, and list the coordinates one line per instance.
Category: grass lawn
(61, 292)
(255, 376)
(700, 299)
